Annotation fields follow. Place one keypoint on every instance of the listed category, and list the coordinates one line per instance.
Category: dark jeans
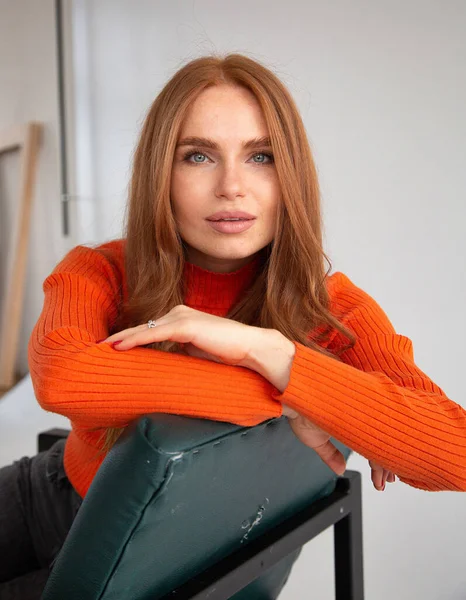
(37, 507)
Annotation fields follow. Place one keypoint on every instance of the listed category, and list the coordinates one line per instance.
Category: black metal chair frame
(342, 509)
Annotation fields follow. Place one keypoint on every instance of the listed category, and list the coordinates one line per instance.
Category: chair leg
(349, 577)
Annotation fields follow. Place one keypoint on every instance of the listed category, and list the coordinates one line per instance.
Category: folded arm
(97, 386)
(378, 401)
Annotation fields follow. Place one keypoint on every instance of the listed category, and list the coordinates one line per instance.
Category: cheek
(177, 185)
(270, 186)
(187, 198)
(184, 182)
(272, 196)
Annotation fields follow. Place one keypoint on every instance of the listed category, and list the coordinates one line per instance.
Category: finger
(386, 473)
(166, 329)
(121, 335)
(143, 328)
(332, 457)
(391, 478)
(379, 483)
(376, 475)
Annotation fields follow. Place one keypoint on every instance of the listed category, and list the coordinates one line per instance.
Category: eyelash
(190, 153)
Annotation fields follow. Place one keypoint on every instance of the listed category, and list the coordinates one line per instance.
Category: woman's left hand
(316, 438)
(379, 476)
(203, 335)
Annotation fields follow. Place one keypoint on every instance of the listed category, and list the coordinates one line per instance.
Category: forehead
(224, 110)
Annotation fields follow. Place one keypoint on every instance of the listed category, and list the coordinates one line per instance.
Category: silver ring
(151, 324)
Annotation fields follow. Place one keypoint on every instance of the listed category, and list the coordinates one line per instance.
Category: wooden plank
(26, 140)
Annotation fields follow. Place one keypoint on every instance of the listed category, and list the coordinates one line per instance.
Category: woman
(216, 304)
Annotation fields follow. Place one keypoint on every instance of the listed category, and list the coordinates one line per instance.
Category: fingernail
(116, 343)
(100, 341)
(382, 489)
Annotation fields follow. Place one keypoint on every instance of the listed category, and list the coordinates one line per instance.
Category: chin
(209, 256)
(229, 255)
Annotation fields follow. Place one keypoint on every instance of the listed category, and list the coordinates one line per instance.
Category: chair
(195, 509)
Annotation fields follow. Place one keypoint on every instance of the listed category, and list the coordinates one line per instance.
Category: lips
(232, 227)
(231, 214)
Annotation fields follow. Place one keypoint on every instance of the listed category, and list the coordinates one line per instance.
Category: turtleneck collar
(215, 292)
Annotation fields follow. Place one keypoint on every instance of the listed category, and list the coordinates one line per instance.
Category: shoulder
(355, 307)
(101, 264)
(82, 258)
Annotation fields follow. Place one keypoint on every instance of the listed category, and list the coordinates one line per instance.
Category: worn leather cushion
(174, 496)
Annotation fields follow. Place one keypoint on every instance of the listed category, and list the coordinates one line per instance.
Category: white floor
(414, 541)
(21, 419)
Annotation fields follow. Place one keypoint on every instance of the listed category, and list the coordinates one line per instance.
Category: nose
(230, 183)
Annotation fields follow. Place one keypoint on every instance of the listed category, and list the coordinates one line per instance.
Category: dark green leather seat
(174, 496)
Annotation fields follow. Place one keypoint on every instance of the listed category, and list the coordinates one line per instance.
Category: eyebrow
(202, 142)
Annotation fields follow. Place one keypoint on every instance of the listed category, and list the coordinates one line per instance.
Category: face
(227, 168)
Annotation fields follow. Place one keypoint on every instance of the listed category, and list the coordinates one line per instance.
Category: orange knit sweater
(377, 402)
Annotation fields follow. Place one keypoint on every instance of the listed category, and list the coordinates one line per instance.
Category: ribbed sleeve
(378, 402)
(97, 386)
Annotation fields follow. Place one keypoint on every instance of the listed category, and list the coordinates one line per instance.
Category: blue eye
(269, 156)
(190, 154)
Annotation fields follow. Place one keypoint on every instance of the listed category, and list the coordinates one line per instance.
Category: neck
(218, 292)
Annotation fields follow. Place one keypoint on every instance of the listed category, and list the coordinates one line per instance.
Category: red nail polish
(116, 343)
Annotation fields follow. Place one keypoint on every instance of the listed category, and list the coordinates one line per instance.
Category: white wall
(382, 90)
(28, 92)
